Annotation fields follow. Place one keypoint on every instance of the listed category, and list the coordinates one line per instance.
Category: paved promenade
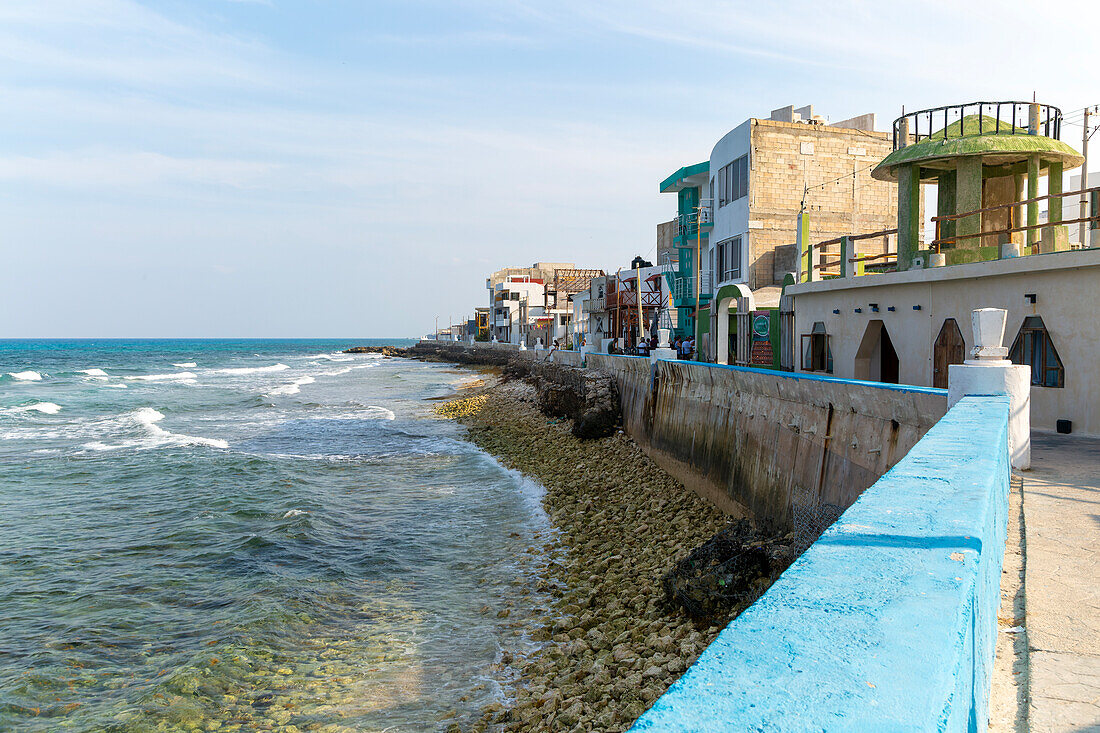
(1061, 500)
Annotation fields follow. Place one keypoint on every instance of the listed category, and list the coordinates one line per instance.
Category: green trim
(687, 170)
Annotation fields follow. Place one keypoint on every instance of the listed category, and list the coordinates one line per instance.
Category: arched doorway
(876, 359)
(728, 300)
(948, 349)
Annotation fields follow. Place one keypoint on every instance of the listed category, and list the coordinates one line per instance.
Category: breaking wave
(27, 376)
(47, 408)
(182, 376)
(252, 370)
(147, 418)
(294, 387)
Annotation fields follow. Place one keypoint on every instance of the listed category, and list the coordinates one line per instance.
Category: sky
(338, 168)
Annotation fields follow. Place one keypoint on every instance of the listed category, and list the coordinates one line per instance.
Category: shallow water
(248, 535)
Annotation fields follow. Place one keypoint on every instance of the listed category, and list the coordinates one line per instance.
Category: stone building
(765, 171)
(742, 209)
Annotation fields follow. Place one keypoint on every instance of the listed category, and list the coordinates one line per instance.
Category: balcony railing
(991, 118)
(687, 225)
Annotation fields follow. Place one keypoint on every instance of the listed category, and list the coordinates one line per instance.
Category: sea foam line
(47, 408)
(253, 370)
(147, 418)
(294, 387)
(164, 377)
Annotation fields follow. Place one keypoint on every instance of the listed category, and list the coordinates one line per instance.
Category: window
(733, 181)
(1034, 348)
(816, 354)
(727, 259)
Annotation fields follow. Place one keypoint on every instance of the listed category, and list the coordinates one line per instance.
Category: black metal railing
(992, 118)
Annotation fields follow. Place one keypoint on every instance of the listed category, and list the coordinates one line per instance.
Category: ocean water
(248, 535)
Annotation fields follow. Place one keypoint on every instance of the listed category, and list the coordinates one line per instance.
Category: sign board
(761, 353)
(761, 326)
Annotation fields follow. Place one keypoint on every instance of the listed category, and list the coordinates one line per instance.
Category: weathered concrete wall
(889, 620)
(1066, 298)
(772, 445)
(768, 444)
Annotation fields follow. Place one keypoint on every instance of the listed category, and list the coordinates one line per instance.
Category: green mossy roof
(961, 138)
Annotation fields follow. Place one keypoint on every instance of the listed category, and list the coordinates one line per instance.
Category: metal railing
(993, 118)
(687, 225)
(1093, 218)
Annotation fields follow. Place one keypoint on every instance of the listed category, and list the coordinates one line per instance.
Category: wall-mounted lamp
(859, 310)
(874, 307)
(891, 308)
(916, 307)
(1030, 298)
(836, 311)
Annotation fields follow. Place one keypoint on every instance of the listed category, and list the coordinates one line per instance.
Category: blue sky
(272, 168)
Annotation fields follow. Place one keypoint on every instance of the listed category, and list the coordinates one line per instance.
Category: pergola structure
(980, 155)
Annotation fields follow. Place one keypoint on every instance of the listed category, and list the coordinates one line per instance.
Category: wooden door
(948, 349)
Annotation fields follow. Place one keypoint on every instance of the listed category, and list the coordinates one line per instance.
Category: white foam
(47, 408)
(181, 376)
(294, 387)
(186, 365)
(345, 370)
(253, 370)
(147, 418)
(385, 413)
(27, 376)
(94, 372)
(294, 513)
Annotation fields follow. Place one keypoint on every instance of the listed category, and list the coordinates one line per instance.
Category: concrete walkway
(1061, 506)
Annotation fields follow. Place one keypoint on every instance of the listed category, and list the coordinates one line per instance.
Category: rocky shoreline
(611, 642)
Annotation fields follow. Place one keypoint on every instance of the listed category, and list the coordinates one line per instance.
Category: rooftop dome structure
(980, 155)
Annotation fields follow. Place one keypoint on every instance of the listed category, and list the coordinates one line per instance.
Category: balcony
(688, 225)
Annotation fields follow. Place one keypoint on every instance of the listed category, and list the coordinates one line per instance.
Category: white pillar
(990, 373)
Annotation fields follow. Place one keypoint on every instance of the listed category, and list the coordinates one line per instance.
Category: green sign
(761, 326)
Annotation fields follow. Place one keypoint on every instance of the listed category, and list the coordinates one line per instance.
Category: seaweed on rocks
(728, 572)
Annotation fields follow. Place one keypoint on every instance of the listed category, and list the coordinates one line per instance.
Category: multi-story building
(684, 242)
(516, 301)
(760, 177)
(543, 315)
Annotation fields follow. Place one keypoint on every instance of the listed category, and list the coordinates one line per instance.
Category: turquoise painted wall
(888, 622)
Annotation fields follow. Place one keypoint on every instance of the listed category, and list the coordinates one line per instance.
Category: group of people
(685, 347)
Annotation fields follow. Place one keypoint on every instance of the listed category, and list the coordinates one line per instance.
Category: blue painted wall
(888, 622)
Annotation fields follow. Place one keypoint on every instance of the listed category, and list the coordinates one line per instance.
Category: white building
(516, 302)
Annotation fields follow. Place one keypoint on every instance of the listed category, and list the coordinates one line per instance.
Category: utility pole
(1085, 180)
(436, 328)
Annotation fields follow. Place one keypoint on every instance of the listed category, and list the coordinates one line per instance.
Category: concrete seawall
(772, 445)
(889, 620)
(786, 449)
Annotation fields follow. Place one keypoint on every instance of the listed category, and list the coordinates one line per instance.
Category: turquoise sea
(248, 535)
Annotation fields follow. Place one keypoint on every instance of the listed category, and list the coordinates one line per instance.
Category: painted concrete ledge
(888, 621)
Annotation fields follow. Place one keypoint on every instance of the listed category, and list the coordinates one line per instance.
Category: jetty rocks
(588, 397)
(383, 350)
